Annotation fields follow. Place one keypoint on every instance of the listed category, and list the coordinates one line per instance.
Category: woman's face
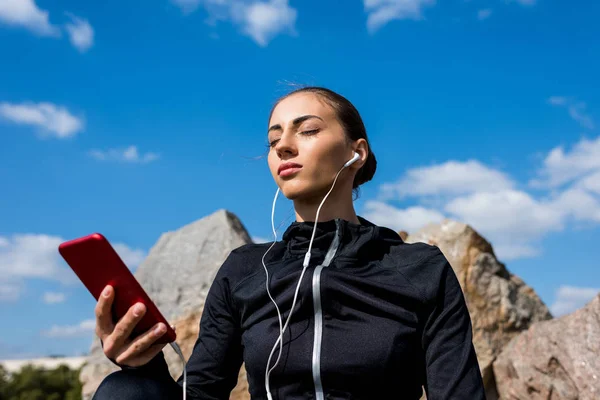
(308, 147)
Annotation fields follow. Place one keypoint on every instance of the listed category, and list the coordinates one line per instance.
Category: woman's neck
(336, 206)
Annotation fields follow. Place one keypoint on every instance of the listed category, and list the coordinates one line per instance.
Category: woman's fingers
(104, 321)
(143, 348)
(120, 335)
(148, 355)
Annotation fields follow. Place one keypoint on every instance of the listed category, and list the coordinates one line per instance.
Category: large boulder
(177, 275)
(558, 359)
(501, 305)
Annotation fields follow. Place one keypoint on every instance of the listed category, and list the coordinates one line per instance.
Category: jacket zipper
(318, 326)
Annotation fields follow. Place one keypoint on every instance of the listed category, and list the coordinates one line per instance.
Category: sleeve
(451, 367)
(214, 365)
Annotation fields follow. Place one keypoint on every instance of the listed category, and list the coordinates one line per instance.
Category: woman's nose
(286, 145)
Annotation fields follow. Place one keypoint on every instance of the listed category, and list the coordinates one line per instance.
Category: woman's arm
(214, 365)
(452, 370)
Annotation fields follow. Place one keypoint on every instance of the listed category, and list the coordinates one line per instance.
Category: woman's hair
(350, 119)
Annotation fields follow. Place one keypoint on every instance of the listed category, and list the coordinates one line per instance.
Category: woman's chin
(301, 193)
(295, 190)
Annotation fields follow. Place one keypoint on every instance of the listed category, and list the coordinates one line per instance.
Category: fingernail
(137, 310)
(159, 329)
(106, 291)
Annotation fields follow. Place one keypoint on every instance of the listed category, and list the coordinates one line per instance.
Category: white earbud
(355, 158)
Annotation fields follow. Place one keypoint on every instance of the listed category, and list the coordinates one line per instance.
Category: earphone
(354, 158)
(305, 264)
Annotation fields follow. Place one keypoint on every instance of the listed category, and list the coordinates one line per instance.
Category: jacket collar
(356, 240)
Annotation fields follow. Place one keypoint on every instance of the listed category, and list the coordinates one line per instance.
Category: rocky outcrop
(501, 305)
(558, 359)
(187, 333)
(177, 275)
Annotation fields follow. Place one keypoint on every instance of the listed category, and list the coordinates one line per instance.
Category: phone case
(97, 264)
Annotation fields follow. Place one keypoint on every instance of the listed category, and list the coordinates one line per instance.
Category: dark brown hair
(351, 121)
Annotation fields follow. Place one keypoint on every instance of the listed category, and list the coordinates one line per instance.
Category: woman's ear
(362, 148)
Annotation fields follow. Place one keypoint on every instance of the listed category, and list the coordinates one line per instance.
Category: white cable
(175, 347)
(271, 297)
(304, 266)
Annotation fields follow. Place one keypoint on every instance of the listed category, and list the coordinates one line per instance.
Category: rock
(403, 235)
(501, 305)
(187, 333)
(177, 275)
(558, 359)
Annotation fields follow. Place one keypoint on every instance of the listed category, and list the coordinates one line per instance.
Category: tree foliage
(35, 383)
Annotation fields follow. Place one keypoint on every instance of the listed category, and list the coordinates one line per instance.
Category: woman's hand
(115, 337)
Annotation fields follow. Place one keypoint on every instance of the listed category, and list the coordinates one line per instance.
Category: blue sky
(132, 118)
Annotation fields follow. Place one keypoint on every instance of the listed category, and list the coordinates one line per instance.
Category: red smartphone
(97, 264)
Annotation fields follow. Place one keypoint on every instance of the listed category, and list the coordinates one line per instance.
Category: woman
(374, 317)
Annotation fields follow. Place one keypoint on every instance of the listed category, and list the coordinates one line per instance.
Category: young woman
(373, 317)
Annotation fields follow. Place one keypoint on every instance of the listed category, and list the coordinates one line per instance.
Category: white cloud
(514, 251)
(187, 6)
(560, 167)
(591, 182)
(380, 12)
(449, 178)
(10, 291)
(576, 109)
(54, 297)
(129, 155)
(80, 32)
(53, 120)
(571, 298)
(484, 14)
(260, 20)
(506, 213)
(514, 220)
(557, 100)
(84, 328)
(578, 204)
(35, 256)
(409, 220)
(526, 2)
(578, 113)
(26, 14)
(258, 239)
(131, 257)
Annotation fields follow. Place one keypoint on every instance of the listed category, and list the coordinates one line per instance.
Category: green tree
(3, 383)
(34, 383)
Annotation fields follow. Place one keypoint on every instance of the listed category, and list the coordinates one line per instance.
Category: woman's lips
(289, 171)
(288, 168)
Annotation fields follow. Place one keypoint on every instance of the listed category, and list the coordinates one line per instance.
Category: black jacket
(393, 319)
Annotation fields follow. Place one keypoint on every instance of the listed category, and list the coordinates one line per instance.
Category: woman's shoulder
(416, 253)
(404, 253)
(246, 260)
(423, 265)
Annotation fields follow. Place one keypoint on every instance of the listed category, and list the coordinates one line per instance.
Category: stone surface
(501, 305)
(558, 359)
(177, 275)
(187, 332)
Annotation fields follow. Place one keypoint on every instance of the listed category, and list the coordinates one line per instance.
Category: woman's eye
(272, 143)
(310, 132)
